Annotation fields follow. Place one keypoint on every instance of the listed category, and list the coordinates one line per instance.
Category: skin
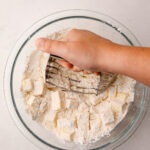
(91, 53)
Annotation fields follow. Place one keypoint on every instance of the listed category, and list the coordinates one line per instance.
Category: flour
(71, 116)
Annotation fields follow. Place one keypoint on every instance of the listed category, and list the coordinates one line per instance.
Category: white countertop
(17, 15)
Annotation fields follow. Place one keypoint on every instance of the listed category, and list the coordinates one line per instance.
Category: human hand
(82, 50)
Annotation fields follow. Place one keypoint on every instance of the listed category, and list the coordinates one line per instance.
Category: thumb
(54, 47)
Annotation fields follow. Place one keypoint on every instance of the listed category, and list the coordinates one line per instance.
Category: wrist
(110, 57)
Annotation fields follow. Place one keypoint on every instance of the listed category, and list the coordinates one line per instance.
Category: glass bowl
(82, 19)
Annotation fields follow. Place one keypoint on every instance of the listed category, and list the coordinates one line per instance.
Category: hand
(82, 50)
(87, 51)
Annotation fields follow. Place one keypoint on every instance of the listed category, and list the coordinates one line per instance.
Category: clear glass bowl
(82, 19)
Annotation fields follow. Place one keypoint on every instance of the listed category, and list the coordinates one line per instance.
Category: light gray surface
(17, 15)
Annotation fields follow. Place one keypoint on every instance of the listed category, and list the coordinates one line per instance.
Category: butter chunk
(50, 116)
(31, 100)
(27, 85)
(107, 117)
(83, 121)
(43, 106)
(112, 92)
(38, 87)
(56, 100)
(116, 106)
(66, 123)
(66, 135)
(50, 119)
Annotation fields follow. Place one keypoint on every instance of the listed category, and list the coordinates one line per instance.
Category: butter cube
(83, 121)
(31, 100)
(50, 119)
(117, 105)
(66, 123)
(107, 117)
(56, 100)
(112, 92)
(38, 87)
(43, 106)
(50, 116)
(27, 85)
(67, 136)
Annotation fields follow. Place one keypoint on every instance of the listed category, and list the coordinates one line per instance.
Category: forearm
(131, 61)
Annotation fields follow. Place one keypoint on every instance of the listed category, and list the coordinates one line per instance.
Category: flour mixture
(71, 116)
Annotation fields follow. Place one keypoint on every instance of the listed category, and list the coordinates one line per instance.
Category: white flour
(74, 117)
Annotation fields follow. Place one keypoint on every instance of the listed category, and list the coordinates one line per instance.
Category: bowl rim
(59, 12)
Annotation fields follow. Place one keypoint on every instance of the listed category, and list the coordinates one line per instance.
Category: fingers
(97, 73)
(62, 49)
(58, 48)
(69, 66)
(87, 72)
(65, 64)
(76, 69)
